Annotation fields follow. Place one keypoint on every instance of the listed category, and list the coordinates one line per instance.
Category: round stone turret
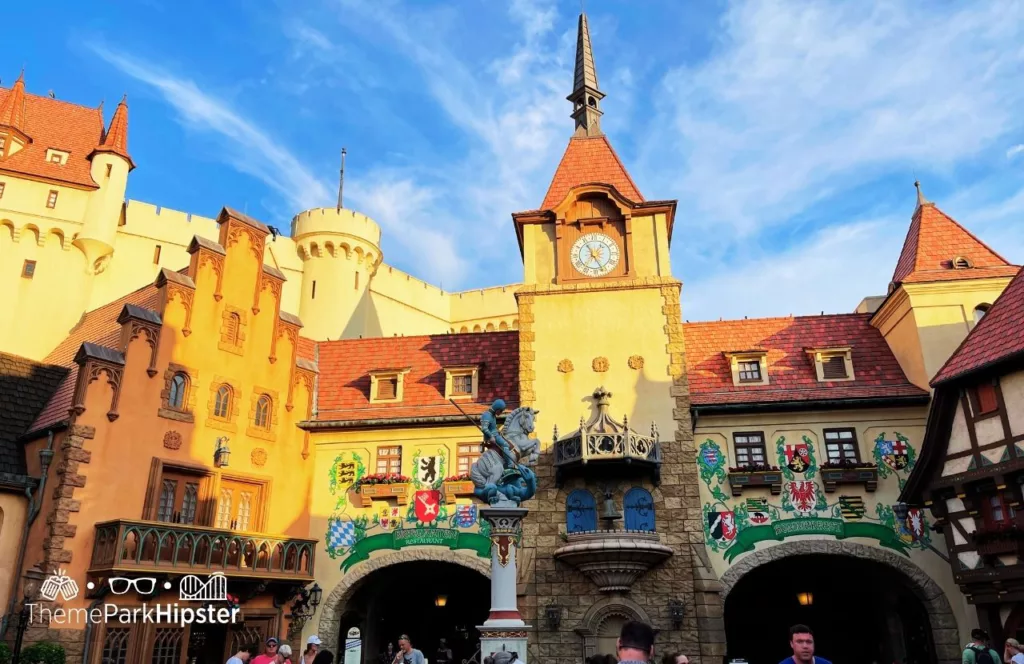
(340, 251)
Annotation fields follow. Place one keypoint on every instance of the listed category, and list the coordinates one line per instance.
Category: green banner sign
(780, 530)
(403, 537)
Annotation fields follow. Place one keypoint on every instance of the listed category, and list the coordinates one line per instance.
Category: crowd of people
(275, 652)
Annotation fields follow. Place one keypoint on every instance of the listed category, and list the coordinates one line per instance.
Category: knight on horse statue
(492, 436)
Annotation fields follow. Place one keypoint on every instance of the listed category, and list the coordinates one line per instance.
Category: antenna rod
(341, 179)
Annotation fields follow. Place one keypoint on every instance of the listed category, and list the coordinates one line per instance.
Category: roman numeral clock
(593, 240)
(595, 254)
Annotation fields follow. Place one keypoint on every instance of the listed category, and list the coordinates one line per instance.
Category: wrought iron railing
(126, 545)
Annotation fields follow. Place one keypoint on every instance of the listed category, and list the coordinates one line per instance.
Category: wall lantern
(805, 599)
(222, 454)
(441, 600)
(676, 611)
(553, 614)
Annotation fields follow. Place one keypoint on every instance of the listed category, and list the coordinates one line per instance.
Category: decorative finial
(921, 200)
(124, 98)
(586, 96)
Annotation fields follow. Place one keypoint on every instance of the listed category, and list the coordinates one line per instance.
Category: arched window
(263, 406)
(639, 509)
(222, 403)
(980, 311)
(580, 512)
(179, 388)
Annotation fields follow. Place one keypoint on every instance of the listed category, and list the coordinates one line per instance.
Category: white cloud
(1014, 151)
(832, 271)
(798, 100)
(250, 149)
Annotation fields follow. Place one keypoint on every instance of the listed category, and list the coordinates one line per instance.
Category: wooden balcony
(126, 546)
(833, 477)
(743, 478)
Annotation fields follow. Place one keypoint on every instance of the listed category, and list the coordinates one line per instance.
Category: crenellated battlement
(330, 221)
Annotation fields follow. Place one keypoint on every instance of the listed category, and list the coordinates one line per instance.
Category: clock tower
(599, 315)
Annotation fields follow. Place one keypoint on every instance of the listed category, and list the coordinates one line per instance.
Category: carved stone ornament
(258, 457)
(600, 364)
(565, 366)
(636, 362)
(172, 440)
(613, 560)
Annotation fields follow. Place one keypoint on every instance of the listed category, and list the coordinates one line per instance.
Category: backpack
(983, 656)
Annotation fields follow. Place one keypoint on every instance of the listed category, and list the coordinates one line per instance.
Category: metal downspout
(35, 505)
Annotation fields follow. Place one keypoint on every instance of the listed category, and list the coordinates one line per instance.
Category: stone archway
(334, 606)
(945, 634)
(600, 612)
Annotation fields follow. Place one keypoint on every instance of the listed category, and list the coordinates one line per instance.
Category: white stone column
(504, 629)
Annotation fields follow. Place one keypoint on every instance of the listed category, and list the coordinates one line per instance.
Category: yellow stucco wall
(13, 512)
(714, 435)
(924, 323)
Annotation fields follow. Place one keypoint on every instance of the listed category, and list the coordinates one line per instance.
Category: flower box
(999, 541)
(457, 487)
(834, 475)
(745, 478)
(381, 486)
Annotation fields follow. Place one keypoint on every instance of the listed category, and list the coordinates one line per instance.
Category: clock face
(595, 255)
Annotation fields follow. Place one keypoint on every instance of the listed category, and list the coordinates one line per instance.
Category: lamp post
(222, 454)
(24, 617)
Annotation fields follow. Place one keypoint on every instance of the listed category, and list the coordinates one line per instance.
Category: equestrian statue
(502, 475)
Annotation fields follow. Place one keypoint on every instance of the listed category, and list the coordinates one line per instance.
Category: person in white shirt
(243, 655)
(1013, 653)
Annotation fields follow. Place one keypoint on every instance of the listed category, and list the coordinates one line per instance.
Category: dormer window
(961, 263)
(748, 367)
(461, 382)
(58, 157)
(387, 385)
(832, 364)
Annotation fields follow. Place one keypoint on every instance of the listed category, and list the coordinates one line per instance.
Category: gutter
(385, 423)
(817, 404)
(35, 505)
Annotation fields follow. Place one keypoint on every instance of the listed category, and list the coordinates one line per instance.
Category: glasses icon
(120, 585)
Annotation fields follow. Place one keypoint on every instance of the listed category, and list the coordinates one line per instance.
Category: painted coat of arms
(803, 497)
(389, 518)
(757, 511)
(893, 454)
(711, 462)
(465, 516)
(796, 458)
(428, 505)
(913, 529)
(722, 526)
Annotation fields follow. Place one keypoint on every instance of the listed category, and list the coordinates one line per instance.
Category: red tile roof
(791, 373)
(115, 140)
(100, 327)
(344, 387)
(995, 338)
(932, 242)
(60, 125)
(589, 159)
(12, 108)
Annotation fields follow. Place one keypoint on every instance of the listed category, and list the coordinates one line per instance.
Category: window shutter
(986, 398)
(833, 367)
(387, 388)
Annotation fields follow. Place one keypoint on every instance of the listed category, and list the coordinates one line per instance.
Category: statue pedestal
(504, 630)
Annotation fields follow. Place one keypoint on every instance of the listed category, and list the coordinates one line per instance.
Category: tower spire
(586, 97)
(12, 111)
(341, 178)
(921, 200)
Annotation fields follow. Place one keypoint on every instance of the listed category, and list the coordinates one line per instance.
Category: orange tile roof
(791, 374)
(51, 123)
(12, 108)
(589, 159)
(115, 140)
(343, 391)
(100, 327)
(933, 240)
(995, 338)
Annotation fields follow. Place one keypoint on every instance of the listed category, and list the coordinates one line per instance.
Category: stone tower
(340, 252)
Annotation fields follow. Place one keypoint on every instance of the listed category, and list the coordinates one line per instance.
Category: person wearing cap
(284, 654)
(269, 655)
(1013, 653)
(978, 651)
(312, 647)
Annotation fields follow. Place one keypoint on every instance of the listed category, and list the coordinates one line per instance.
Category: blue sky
(789, 132)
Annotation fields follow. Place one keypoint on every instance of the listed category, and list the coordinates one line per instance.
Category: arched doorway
(426, 594)
(602, 624)
(863, 603)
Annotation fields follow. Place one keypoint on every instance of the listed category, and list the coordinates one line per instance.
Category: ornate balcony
(127, 546)
(613, 559)
(605, 446)
(748, 478)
